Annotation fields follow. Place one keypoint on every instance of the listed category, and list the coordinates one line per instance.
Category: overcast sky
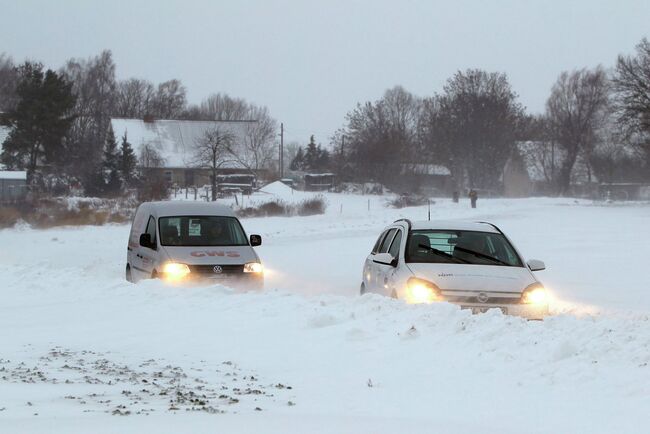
(311, 62)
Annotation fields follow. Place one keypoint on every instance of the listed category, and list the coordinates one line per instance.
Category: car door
(381, 270)
(147, 255)
(369, 269)
(387, 272)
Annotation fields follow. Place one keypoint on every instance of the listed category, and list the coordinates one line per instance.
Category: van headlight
(534, 294)
(253, 267)
(421, 291)
(175, 271)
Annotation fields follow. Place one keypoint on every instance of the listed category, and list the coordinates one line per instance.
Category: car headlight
(253, 267)
(421, 291)
(534, 294)
(175, 271)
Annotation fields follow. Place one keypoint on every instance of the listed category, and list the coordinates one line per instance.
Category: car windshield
(460, 247)
(201, 231)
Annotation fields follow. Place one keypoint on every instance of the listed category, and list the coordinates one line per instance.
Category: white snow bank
(279, 189)
(354, 364)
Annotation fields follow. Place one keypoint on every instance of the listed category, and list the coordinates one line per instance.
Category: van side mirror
(536, 265)
(145, 240)
(256, 240)
(385, 259)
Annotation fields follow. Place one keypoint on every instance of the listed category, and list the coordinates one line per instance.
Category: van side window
(387, 241)
(151, 229)
(394, 247)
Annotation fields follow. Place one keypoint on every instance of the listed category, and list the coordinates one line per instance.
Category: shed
(319, 181)
(13, 185)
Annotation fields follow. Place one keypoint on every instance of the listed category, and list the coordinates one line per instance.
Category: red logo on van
(204, 253)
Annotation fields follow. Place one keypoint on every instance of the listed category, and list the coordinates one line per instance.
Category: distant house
(432, 179)
(174, 141)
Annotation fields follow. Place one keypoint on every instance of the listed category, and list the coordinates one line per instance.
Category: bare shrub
(406, 200)
(315, 205)
(276, 208)
(9, 216)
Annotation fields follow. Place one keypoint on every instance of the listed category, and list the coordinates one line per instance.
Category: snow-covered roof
(428, 169)
(13, 174)
(173, 139)
(454, 225)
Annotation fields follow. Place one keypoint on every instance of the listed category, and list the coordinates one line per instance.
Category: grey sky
(311, 62)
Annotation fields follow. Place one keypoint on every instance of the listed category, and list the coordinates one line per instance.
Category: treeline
(476, 124)
(59, 122)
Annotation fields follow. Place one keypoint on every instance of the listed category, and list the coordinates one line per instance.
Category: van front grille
(209, 269)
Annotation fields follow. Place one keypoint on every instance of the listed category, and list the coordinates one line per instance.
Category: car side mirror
(385, 259)
(536, 265)
(145, 240)
(256, 240)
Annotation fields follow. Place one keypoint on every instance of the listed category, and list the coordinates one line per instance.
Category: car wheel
(362, 290)
(393, 294)
(128, 276)
(154, 274)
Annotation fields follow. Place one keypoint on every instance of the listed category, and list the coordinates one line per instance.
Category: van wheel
(128, 276)
(393, 294)
(362, 290)
(154, 274)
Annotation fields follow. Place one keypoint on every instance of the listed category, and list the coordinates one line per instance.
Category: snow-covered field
(82, 351)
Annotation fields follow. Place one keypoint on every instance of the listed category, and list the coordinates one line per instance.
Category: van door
(133, 248)
(146, 255)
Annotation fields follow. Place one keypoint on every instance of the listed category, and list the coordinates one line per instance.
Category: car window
(201, 231)
(454, 246)
(394, 247)
(375, 249)
(151, 229)
(386, 242)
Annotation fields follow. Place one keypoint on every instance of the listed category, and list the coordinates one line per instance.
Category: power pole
(281, 150)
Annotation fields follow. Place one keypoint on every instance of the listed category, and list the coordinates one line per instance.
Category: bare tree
(212, 151)
(578, 101)
(9, 78)
(632, 89)
(134, 98)
(221, 107)
(381, 136)
(152, 185)
(170, 100)
(150, 157)
(94, 86)
(259, 138)
(472, 126)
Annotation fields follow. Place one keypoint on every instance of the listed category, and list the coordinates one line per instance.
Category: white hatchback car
(473, 265)
(190, 242)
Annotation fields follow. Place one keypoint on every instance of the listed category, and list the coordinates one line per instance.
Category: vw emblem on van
(482, 297)
(217, 269)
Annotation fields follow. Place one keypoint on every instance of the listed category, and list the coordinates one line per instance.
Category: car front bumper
(527, 311)
(246, 281)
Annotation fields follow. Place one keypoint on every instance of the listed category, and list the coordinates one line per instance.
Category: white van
(191, 241)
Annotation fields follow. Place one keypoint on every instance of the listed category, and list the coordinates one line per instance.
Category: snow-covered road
(78, 344)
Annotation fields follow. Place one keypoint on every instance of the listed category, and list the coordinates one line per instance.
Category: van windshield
(201, 231)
